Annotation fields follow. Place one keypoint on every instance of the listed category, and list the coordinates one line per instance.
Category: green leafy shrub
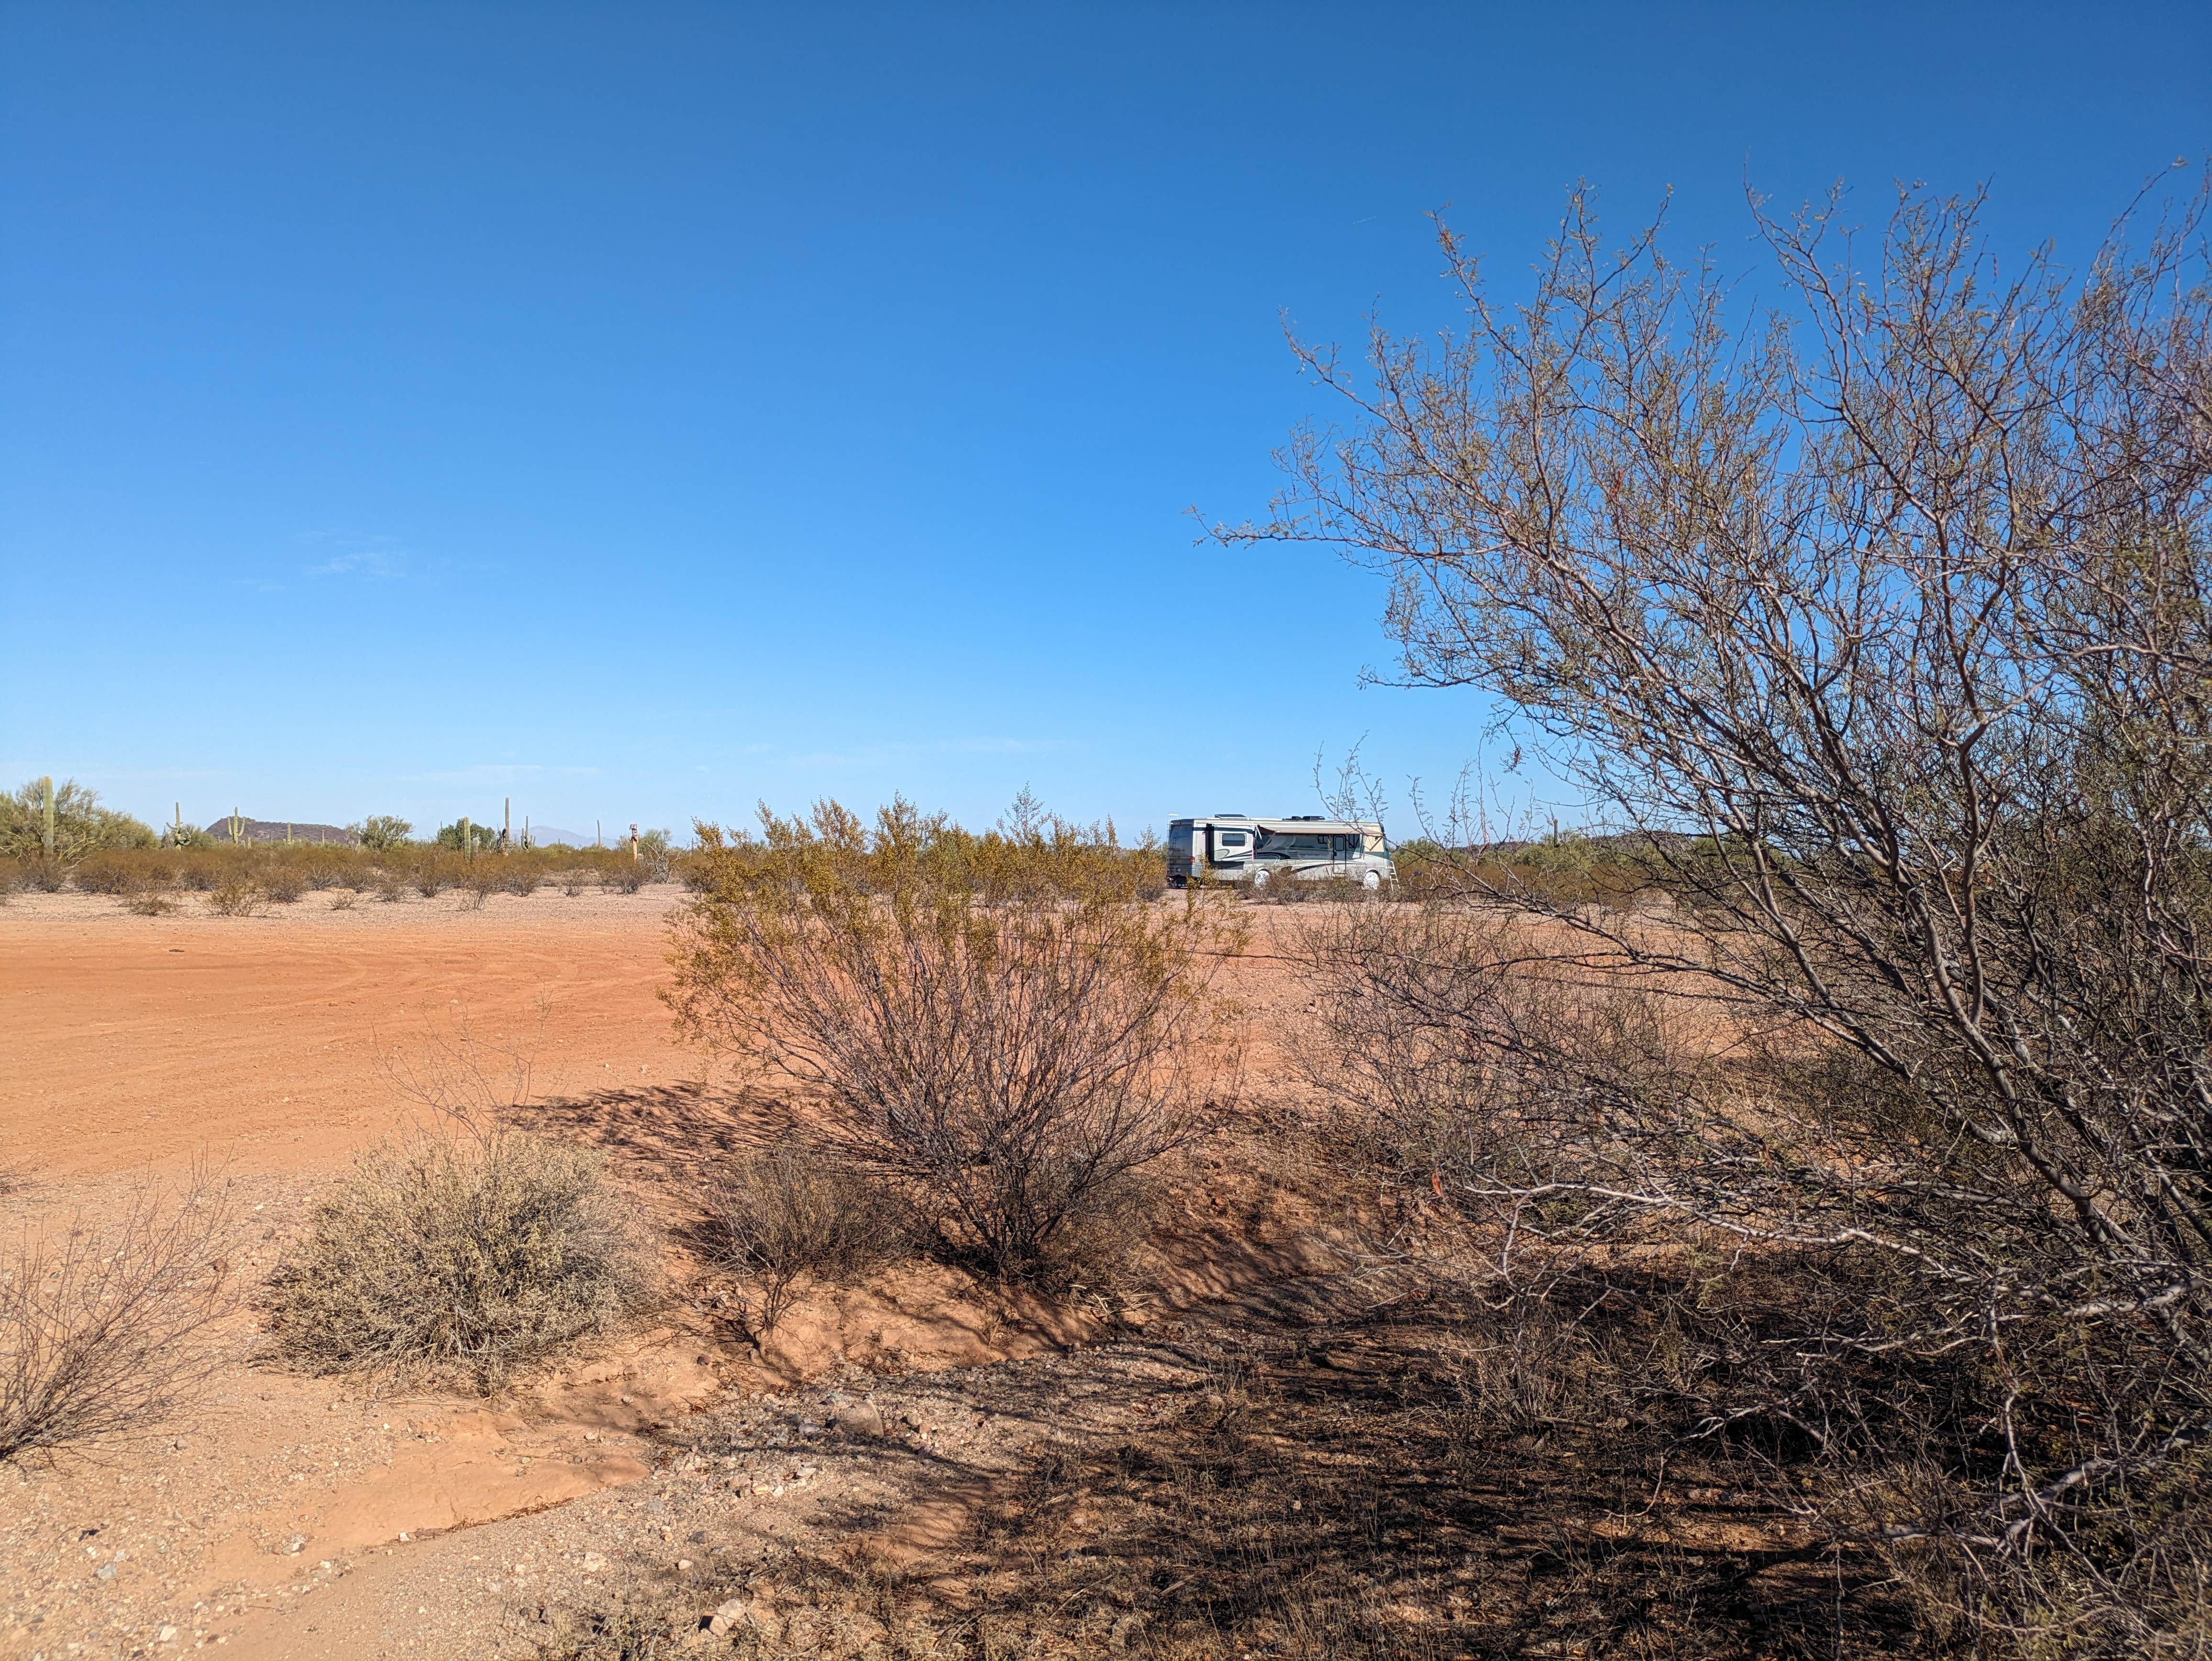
(80, 824)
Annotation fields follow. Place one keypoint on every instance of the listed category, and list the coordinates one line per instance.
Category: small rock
(167, 1635)
(295, 1545)
(860, 1419)
(593, 1562)
(105, 1571)
(727, 1617)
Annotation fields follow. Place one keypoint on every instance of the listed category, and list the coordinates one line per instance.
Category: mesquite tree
(1879, 621)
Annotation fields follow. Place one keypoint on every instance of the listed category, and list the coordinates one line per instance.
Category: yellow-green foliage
(1005, 1021)
(81, 825)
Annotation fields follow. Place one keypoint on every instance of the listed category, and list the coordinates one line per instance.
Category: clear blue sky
(642, 409)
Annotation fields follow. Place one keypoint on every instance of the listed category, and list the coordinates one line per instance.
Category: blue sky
(640, 410)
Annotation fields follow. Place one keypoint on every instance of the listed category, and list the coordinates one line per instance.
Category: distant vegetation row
(97, 850)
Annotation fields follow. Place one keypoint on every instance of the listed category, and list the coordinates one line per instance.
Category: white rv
(1238, 847)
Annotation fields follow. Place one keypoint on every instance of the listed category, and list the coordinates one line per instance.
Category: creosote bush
(236, 896)
(462, 1255)
(1000, 1023)
(103, 1323)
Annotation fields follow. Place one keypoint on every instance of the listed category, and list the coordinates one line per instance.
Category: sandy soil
(137, 1041)
(287, 1516)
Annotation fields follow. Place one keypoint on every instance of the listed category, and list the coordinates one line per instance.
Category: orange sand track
(133, 1041)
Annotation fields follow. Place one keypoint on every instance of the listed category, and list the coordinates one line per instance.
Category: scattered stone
(167, 1635)
(295, 1545)
(860, 1419)
(105, 1571)
(593, 1562)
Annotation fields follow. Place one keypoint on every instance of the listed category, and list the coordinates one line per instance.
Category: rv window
(1226, 839)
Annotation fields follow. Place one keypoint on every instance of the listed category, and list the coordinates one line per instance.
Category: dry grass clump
(792, 1211)
(466, 1256)
(102, 1322)
(149, 903)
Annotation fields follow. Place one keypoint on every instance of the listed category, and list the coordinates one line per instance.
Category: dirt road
(266, 1040)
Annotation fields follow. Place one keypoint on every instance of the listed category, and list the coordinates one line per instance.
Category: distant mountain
(545, 835)
(224, 830)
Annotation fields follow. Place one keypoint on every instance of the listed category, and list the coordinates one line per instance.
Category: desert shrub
(200, 869)
(482, 878)
(1282, 889)
(1863, 630)
(624, 876)
(467, 1257)
(381, 832)
(345, 899)
(149, 903)
(433, 873)
(525, 875)
(103, 1323)
(391, 885)
(324, 868)
(43, 876)
(793, 1210)
(281, 884)
(576, 879)
(103, 872)
(996, 1021)
(475, 839)
(80, 824)
(236, 896)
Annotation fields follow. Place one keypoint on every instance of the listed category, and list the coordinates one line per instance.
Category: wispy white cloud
(351, 554)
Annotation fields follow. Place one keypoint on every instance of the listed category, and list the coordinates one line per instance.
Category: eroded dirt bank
(285, 1516)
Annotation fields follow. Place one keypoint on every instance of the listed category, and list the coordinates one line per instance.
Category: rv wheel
(1259, 880)
(1372, 880)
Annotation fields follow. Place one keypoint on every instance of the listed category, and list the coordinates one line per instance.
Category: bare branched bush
(996, 1020)
(236, 895)
(104, 1323)
(1883, 623)
(465, 1257)
(794, 1211)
